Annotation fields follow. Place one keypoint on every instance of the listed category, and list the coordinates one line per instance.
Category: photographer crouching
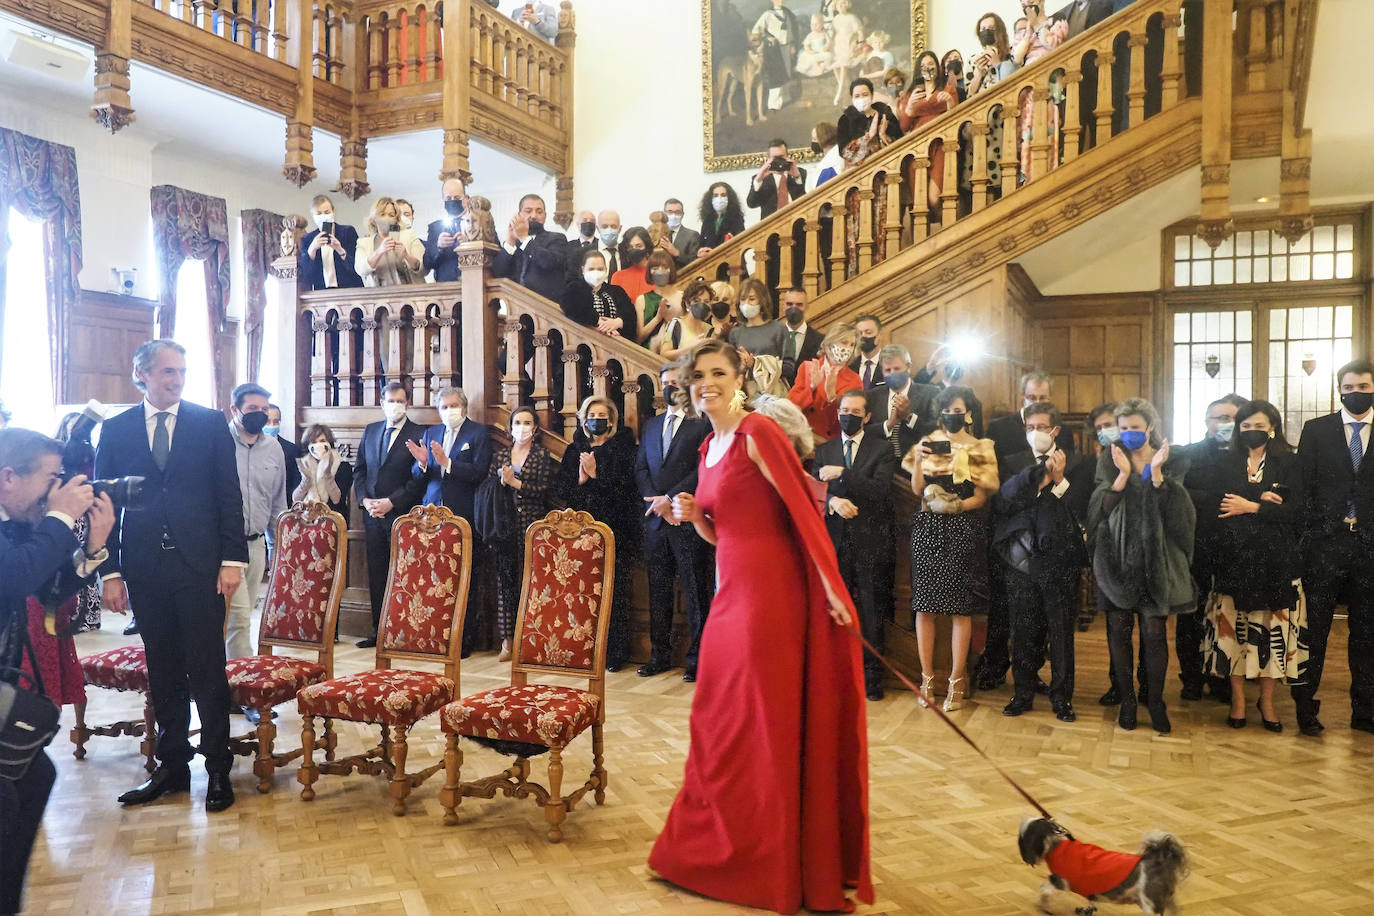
(41, 561)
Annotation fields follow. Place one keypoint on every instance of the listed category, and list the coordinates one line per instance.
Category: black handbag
(493, 511)
(28, 719)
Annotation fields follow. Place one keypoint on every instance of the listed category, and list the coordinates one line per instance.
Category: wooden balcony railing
(259, 25)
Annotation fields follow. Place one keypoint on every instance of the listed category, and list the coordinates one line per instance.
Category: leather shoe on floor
(613, 667)
(131, 629)
(875, 693)
(1190, 692)
(1362, 725)
(219, 793)
(162, 781)
(651, 669)
(1310, 726)
(368, 643)
(1110, 698)
(1017, 706)
(690, 676)
(1064, 713)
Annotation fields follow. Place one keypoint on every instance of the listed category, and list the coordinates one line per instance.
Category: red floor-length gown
(773, 810)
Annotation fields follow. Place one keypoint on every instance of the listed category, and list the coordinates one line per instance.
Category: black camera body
(78, 457)
(124, 492)
(780, 164)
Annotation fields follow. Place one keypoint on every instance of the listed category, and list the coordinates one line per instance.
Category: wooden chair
(422, 621)
(565, 610)
(300, 611)
(123, 669)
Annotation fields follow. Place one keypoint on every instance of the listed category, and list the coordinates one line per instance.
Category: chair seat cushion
(390, 697)
(263, 681)
(125, 668)
(536, 714)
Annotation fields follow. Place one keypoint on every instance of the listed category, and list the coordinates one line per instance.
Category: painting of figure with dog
(773, 68)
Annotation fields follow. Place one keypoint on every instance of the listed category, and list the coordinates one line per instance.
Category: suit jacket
(1008, 435)
(291, 452)
(576, 301)
(1079, 22)
(857, 364)
(1203, 481)
(540, 266)
(34, 560)
(575, 249)
(1330, 481)
(867, 484)
(195, 499)
(686, 241)
(657, 474)
(1037, 531)
(313, 268)
(470, 460)
(443, 261)
(919, 424)
(379, 476)
(810, 348)
(766, 196)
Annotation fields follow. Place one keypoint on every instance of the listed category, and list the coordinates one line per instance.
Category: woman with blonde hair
(390, 254)
(822, 380)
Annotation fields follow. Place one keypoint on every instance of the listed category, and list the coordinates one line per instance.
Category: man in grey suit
(683, 243)
(538, 17)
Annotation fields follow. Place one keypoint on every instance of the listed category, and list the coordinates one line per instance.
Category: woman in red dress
(773, 810)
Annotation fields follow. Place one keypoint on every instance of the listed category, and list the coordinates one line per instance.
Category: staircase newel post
(478, 333)
(1218, 48)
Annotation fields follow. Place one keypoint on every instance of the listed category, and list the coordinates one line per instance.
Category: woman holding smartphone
(952, 473)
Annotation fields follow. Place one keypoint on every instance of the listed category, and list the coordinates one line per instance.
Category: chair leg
(264, 766)
(308, 773)
(80, 733)
(598, 770)
(451, 795)
(331, 739)
(555, 811)
(148, 746)
(400, 785)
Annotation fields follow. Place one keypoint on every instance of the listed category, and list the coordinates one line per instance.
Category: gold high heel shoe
(955, 698)
(505, 651)
(926, 680)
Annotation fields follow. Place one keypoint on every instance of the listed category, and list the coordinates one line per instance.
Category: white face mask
(719, 204)
(322, 218)
(1040, 441)
(862, 104)
(841, 356)
(319, 450)
(394, 411)
(406, 222)
(521, 433)
(594, 278)
(750, 312)
(674, 221)
(452, 417)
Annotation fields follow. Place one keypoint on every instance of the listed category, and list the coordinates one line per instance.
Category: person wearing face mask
(584, 238)
(262, 484)
(661, 272)
(821, 381)
(952, 65)
(385, 489)
(866, 359)
(1140, 534)
(593, 302)
(864, 127)
(390, 254)
(329, 250)
(325, 476)
(779, 181)
(933, 93)
(633, 275)
(991, 64)
(441, 239)
(857, 468)
(1338, 540)
(953, 474)
(289, 452)
(721, 217)
(682, 243)
(1043, 35)
(533, 256)
(1008, 433)
(803, 342)
(683, 327)
(1039, 542)
(405, 213)
(760, 334)
(823, 137)
(528, 470)
(904, 407)
(594, 477)
(725, 315)
(1255, 623)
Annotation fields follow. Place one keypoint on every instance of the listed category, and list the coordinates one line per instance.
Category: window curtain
(38, 178)
(261, 246)
(191, 225)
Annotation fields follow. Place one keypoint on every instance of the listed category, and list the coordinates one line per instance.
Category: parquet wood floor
(1276, 824)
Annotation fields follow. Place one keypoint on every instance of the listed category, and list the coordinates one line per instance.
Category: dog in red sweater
(1149, 878)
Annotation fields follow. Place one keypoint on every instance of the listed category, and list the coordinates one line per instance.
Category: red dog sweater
(1090, 869)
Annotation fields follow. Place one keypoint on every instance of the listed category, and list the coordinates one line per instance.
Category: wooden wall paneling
(106, 329)
(1096, 348)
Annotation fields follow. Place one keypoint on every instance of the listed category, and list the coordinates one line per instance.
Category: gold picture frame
(728, 141)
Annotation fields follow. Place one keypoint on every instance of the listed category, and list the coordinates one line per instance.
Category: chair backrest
(565, 602)
(309, 559)
(427, 589)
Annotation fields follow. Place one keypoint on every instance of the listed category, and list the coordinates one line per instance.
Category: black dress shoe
(875, 693)
(1110, 698)
(219, 793)
(689, 676)
(613, 667)
(162, 781)
(1309, 726)
(1064, 713)
(1359, 725)
(1159, 718)
(1017, 706)
(1235, 722)
(1126, 715)
(131, 629)
(1190, 692)
(1276, 726)
(368, 643)
(651, 669)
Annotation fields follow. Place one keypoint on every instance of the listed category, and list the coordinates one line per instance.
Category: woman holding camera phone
(390, 255)
(931, 96)
(952, 472)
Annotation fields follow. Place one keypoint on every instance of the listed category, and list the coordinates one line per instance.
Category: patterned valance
(261, 246)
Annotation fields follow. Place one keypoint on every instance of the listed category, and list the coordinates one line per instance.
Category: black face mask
(700, 310)
(634, 255)
(453, 208)
(670, 395)
(1357, 402)
(953, 422)
(816, 148)
(794, 316)
(588, 228)
(988, 37)
(868, 344)
(721, 310)
(1253, 438)
(536, 227)
(850, 424)
(254, 422)
(598, 426)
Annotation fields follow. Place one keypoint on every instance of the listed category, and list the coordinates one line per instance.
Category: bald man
(441, 255)
(581, 238)
(608, 239)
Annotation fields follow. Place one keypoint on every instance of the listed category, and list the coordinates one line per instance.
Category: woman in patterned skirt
(1256, 622)
(952, 472)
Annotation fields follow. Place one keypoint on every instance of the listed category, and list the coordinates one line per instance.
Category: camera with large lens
(780, 164)
(124, 492)
(78, 457)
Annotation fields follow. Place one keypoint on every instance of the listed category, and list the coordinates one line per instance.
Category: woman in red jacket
(822, 381)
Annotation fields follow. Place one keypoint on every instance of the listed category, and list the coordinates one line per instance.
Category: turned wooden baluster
(1105, 110)
(188, 13)
(1257, 55)
(420, 356)
(261, 26)
(920, 199)
(1170, 72)
(368, 377)
(541, 396)
(571, 389)
(1072, 124)
(375, 35)
(785, 244)
(865, 245)
(761, 259)
(839, 233)
(892, 222)
(344, 371)
(1135, 95)
(278, 27)
(630, 388)
(480, 52)
(498, 65)
(242, 30)
(520, 76)
(319, 362)
(442, 367)
(203, 14)
(556, 88)
(515, 359)
(978, 139)
(414, 63)
(736, 274)
(334, 62)
(811, 259)
(1011, 161)
(392, 327)
(393, 48)
(434, 48)
(1040, 121)
(223, 22)
(949, 193)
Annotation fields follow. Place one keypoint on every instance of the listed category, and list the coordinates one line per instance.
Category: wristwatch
(81, 557)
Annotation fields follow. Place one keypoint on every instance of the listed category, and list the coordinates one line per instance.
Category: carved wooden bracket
(299, 167)
(112, 108)
(353, 168)
(1215, 231)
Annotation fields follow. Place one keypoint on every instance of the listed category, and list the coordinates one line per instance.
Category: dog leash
(930, 705)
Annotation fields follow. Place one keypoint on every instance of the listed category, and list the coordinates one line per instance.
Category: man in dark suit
(1008, 433)
(667, 466)
(857, 468)
(579, 244)
(327, 257)
(451, 460)
(41, 558)
(534, 257)
(801, 341)
(290, 451)
(1039, 542)
(179, 558)
(905, 409)
(682, 243)
(866, 358)
(779, 182)
(383, 481)
(441, 240)
(1338, 541)
(1081, 15)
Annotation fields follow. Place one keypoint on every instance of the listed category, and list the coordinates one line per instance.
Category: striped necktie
(1356, 458)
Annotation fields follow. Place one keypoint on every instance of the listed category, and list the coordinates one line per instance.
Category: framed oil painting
(773, 68)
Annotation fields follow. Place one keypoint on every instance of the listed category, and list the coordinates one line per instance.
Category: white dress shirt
(1367, 420)
(912, 417)
(150, 418)
(1058, 489)
(450, 437)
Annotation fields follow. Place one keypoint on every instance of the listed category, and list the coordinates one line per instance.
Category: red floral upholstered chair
(422, 621)
(565, 609)
(124, 669)
(300, 611)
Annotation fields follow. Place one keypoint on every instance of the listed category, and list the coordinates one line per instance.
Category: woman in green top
(661, 272)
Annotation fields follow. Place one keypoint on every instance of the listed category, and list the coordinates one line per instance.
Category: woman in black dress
(1256, 626)
(721, 217)
(527, 468)
(952, 472)
(597, 477)
(594, 302)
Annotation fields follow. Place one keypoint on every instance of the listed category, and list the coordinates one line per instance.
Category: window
(26, 367)
(1261, 255)
(1306, 347)
(271, 343)
(1212, 357)
(193, 333)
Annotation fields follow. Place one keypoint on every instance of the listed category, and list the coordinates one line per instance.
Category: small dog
(1149, 878)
